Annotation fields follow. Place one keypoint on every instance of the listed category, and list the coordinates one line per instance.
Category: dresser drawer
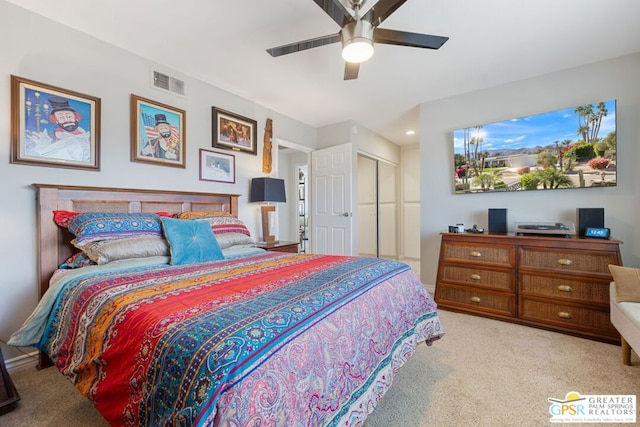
(501, 280)
(475, 300)
(578, 290)
(548, 259)
(495, 254)
(565, 315)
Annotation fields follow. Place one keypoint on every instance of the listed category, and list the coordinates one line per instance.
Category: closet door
(387, 210)
(377, 208)
(367, 207)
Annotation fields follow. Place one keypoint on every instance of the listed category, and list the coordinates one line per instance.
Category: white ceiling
(491, 42)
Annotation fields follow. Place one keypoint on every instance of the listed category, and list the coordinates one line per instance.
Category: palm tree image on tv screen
(570, 148)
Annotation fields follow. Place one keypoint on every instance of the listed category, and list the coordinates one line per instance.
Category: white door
(332, 217)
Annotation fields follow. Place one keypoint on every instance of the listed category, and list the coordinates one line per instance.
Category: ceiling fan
(359, 21)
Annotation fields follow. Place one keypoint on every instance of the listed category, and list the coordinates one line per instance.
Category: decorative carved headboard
(54, 242)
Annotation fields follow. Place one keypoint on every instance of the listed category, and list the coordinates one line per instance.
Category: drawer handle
(476, 300)
(564, 261)
(475, 254)
(564, 315)
(565, 288)
(475, 277)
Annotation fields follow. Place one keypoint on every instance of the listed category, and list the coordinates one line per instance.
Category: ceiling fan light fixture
(358, 51)
(357, 41)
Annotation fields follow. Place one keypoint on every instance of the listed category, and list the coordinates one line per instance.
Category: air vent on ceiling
(166, 82)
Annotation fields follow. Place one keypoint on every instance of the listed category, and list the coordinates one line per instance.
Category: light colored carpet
(482, 373)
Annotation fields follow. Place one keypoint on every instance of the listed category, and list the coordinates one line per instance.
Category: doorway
(292, 166)
(303, 207)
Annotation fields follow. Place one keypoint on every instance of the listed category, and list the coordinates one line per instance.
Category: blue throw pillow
(191, 241)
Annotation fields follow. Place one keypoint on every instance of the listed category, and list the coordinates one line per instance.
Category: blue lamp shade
(267, 190)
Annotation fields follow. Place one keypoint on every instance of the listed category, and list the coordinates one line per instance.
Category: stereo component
(498, 221)
(589, 218)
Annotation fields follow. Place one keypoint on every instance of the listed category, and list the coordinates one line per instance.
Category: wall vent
(169, 83)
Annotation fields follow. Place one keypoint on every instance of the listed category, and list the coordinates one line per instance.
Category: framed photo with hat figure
(158, 133)
(51, 126)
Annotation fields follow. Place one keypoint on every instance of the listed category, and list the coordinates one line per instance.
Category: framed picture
(217, 167)
(233, 132)
(51, 126)
(158, 133)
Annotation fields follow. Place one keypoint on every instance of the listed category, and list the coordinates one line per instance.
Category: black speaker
(589, 218)
(498, 221)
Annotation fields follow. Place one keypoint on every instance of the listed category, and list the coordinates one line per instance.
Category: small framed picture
(217, 167)
(233, 132)
(51, 126)
(158, 133)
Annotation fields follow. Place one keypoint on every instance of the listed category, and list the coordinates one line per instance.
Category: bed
(246, 337)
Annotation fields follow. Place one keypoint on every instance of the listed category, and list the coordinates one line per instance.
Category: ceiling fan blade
(351, 70)
(383, 9)
(405, 38)
(336, 11)
(304, 45)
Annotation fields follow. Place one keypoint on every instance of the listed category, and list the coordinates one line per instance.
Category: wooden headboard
(54, 242)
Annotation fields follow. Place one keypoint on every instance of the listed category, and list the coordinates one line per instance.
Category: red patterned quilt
(271, 340)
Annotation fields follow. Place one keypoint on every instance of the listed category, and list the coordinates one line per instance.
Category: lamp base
(267, 237)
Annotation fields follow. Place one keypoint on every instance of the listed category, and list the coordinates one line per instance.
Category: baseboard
(20, 363)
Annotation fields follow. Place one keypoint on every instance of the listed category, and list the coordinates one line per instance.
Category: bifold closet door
(377, 208)
(367, 207)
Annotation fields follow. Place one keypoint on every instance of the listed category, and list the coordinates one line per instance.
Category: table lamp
(267, 190)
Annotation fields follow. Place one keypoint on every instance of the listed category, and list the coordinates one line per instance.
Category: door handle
(347, 214)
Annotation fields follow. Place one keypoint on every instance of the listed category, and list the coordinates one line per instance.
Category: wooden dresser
(555, 283)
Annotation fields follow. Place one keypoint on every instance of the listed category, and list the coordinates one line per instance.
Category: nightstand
(281, 246)
(8, 394)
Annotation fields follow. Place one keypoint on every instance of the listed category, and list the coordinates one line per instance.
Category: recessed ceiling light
(410, 132)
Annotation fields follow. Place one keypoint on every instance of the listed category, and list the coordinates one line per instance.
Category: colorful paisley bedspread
(274, 339)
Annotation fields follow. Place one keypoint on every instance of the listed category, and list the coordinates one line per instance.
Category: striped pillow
(229, 230)
(92, 226)
(199, 215)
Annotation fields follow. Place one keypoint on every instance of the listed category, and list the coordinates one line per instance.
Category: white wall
(364, 140)
(440, 207)
(36, 48)
(370, 143)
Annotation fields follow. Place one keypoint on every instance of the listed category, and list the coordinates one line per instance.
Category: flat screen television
(570, 148)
